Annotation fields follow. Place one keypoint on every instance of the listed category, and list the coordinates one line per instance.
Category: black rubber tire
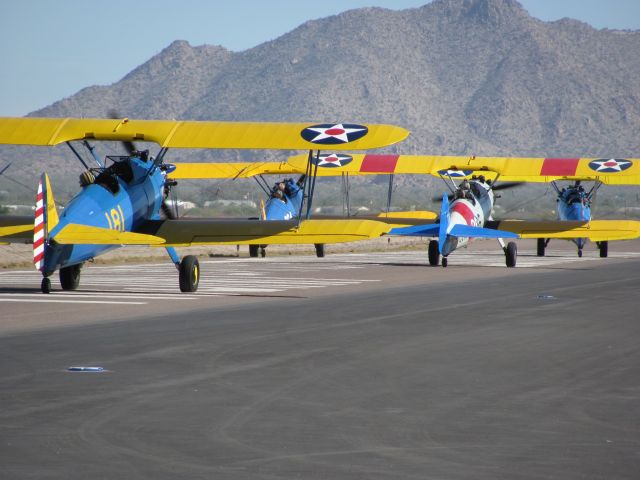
(511, 254)
(541, 247)
(445, 262)
(189, 274)
(434, 253)
(45, 285)
(604, 249)
(319, 250)
(253, 250)
(263, 252)
(580, 253)
(70, 277)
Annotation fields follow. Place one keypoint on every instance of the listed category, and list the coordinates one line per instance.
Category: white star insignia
(614, 164)
(338, 131)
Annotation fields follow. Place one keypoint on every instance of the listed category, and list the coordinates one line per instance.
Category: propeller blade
(128, 146)
(507, 185)
(439, 199)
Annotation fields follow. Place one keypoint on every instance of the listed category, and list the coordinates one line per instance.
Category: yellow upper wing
(194, 134)
(610, 171)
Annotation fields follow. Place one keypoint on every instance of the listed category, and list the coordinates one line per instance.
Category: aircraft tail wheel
(45, 286)
(511, 254)
(434, 253)
(189, 274)
(541, 247)
(70, 277)
(580, 252)
(604, 249)
(445, 262)
(253, 250)
(319, 250)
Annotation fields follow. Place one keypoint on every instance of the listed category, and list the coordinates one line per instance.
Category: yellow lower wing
(185, 232)
(595, 230)
(83, 234)
(16, 229)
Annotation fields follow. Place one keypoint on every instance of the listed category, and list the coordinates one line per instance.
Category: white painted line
(33, 300)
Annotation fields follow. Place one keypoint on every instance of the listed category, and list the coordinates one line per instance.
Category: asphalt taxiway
(352, 366)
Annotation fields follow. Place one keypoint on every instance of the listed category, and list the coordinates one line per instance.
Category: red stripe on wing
(379, 163)
(559, 166)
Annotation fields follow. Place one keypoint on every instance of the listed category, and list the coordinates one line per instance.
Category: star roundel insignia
(610, 165)
(332, 160)
(333, 133)
(455, 173)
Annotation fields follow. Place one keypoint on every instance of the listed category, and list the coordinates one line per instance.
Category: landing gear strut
(189, 274)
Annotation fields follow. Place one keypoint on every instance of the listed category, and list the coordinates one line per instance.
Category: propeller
(130, 148)
(501, 186)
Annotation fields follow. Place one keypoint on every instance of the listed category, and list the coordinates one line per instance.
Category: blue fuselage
(288, 206)
(121, 198)
(573, 204)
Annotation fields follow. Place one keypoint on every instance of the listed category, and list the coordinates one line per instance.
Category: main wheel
(253, 250)
(319, 250)
(511, 254)
(45, 286)
(70, 277)
(604, 249)
(263, 251)
(434, 253)
(541, 247)
(189, 274)
(445, 262)
(580, 253)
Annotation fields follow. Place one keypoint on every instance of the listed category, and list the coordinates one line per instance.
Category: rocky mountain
(465, 76)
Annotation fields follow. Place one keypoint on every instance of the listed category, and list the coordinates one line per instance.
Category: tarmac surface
(352, 366)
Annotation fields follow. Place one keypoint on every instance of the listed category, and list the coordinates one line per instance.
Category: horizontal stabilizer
(417, 231)
(479, 232)
(73, 234)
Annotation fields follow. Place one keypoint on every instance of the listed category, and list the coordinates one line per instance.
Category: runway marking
(51, 300)
(139, 284)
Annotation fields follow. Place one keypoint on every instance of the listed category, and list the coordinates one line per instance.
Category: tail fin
(444, 222)
(46, 218)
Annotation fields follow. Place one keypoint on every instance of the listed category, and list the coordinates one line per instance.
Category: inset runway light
(546, 297)
(86, 369)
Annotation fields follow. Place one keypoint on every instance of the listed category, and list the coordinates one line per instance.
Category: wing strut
(309, 185)
(75, 152)
(389, 193)
(346, 207)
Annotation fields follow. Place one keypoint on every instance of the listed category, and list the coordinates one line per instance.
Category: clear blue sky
(50, 49)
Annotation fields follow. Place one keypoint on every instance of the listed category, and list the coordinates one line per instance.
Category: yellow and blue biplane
(121, 199)
(467, 212)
